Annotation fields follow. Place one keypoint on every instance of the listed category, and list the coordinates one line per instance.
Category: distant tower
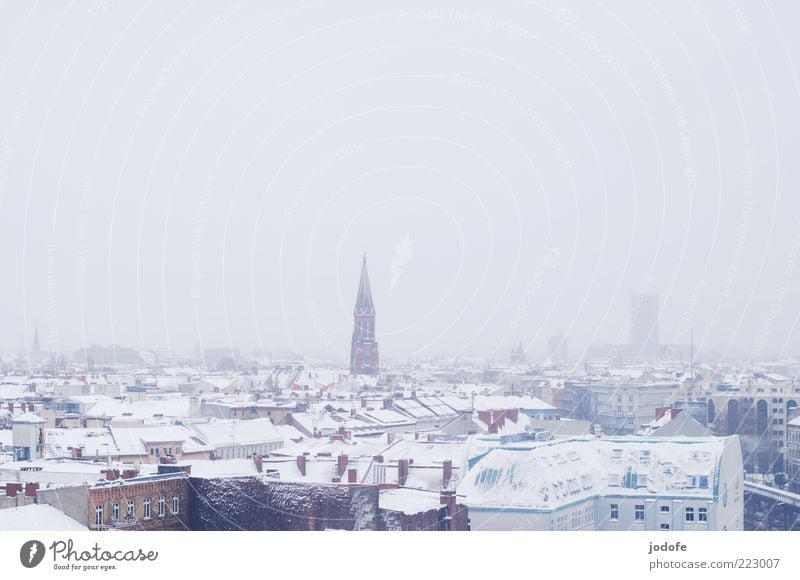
(644, 326)
(517, 356)
(36, 347)
(364, 349)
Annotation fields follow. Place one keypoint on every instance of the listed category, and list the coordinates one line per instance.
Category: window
(115, 511)
(703, 481)
(162, 506)
(639, 513)
(689, 514)
(664, 509)
(176, 504)
(664, 526)
(147, 508)
(702, 514)
(614, 512)
(131, 508)
(98, 515)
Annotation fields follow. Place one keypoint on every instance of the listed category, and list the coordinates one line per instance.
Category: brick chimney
(387, 403)
(402, 471)
(448, 499)
(352, 475)
(10, 407)
(259, 462)
(112, 474)
(378, 459)
(513, 415)
(12, 489)
(129, 473)
(301, 464)
(30, 489)
(447, 472)
(341, 463)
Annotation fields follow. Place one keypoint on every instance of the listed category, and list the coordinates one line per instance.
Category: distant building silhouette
(558, 349)
(644, 326)
(364, 348)
(36, 346)
(517, 356)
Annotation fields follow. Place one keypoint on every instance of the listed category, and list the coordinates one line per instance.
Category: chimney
(447, 472)
(30, 489)
(112, 474)
(378, 459)
(10, 407)
(352, 475)
(341, 463)
(390, 438)
(353, 412)
(448, 499)
(402, 471)
(259, 462)
(129, 473)
(485, 416)
(30, 407)
(301, 464)
(387, 403)
(363, 402)
(12, 489)
(660, 412)
(513, 415)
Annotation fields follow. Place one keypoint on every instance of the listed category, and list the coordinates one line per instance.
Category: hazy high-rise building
(364, 348)
(644, 326)
(557, 348)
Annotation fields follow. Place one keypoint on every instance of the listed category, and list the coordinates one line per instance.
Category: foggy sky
(182, 173)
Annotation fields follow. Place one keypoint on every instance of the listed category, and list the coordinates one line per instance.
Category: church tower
(364, 348)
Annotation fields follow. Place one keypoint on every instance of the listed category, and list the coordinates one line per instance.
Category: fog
(174, 174)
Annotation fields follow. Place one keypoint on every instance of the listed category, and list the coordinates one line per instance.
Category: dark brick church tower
(364, 348)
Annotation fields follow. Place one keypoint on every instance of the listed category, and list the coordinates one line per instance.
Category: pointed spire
(36, 346)
(364, 302)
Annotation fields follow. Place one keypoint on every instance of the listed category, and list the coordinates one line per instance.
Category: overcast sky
(180, 173)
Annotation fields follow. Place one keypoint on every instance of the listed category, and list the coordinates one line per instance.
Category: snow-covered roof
(545, 475)
(221, 434)
(38, 517)
(408, 501)
(486, 403)
(28, 418)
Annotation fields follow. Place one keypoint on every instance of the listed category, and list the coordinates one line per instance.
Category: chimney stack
(301, 464)
(352, 475)
(448, 499)
(447, 472)
(129, 473)
(30, 489)
(112, 474)
(259, 462)
(402, 471)
(341, 464)
(12, 489)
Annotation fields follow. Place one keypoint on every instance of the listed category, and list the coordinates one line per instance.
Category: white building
(608, 484)
(623, 408)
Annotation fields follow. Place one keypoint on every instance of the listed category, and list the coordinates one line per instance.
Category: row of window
(638, 513)
(130, 513)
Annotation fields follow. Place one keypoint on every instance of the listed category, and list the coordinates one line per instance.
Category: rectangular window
(98, 515)
(131, 508)
(664, 509)
(689, 513)
(147, 508)
(664, 526)
(115, 511)
(176, 501)
(702, 514)
(614, 511)
(639, 513)
(162, 506)
(703, 481)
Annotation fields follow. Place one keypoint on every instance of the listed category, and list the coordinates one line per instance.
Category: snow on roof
(166, 406)
(38, 517)
(413, 409)
(546, 475)
(497, 402)
(227, 433)
(27, 418)
(133, 440)
(386, 418)
(91, 441)
(408, 501)
(208, 469)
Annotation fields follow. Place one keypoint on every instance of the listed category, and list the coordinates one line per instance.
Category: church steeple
(36, 347)
(364, 304)
(364, 347)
